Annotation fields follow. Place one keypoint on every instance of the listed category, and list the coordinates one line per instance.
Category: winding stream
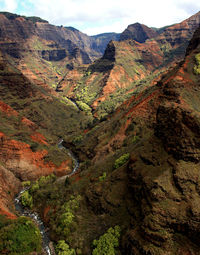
(33, 215)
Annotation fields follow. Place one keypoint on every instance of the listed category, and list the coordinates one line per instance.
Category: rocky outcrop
(164, 171)
(138, 32)
(53, 55)
(9, 186)
(179, 130)
(26, 164)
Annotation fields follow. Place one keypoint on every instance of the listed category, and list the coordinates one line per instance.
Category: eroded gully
(46, 243)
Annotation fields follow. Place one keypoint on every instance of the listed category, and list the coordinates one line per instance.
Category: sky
(100, 16)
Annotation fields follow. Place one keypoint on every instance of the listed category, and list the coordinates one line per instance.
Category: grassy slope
(54, 118)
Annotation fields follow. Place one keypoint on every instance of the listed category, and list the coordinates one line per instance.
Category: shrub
(67, 216)
(135, 139)
(102, 177)
(27, 199)
(83, 106)
(197, 66)
(26, 183)
(107, 243)
(43, 181)
(34, 187)
(78, 139)
(62, 248)
(122, 160)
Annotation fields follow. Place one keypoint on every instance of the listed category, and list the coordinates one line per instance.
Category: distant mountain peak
(138, 32)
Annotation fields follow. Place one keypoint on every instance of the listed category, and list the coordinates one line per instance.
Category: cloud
(9, 5)
(106, 15)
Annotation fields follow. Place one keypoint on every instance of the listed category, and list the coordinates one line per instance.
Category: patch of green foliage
(107, 243)
(88, 93)
(102, 177)
(122, 160)
(43, 181)
(27, 199)
(19, 237)
(135, 139)
(66, 215)
(83, 106)
(88, 73)
(26, 183)
(77, 139)
(62, 248)
(34, 187)
(197, 66)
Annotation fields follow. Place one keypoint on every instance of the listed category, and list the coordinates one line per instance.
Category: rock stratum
(154, 194)
(129, 65)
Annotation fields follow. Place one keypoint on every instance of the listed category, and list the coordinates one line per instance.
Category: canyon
(130, 114)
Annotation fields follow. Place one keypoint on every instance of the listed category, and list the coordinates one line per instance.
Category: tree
(107, 243)
(63, 248)
(27, 199)
(122, 160)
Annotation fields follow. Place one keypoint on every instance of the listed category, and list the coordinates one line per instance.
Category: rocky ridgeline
(164, 173)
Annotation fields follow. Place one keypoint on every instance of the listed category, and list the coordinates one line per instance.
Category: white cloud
(9, 5)
(108, 15)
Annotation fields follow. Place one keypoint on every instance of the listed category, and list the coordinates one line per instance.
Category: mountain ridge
(134, 127)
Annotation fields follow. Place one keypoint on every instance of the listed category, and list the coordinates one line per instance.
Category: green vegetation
(27, 199)
(102, 177)
(78, 139)
(87, 93)
(135, 139)
(83, 106)
(19, 237)
(107, 243)
(88, 73)
(26, 183)
(66, 215)
(197, 66)
(12, 16)
(62, 248)
(56, 155)
(35, 186)
(122, 160)
(42, 182)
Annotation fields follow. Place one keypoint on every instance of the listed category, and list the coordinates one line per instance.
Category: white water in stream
(33, 215)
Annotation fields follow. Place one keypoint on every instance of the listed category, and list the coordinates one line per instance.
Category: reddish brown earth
(18, 162)
(141, 55)
(162, 176)
(7, 109)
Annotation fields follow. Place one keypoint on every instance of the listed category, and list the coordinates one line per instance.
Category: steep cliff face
(40, 50)
(31, 127)
(24, 155)
(130, 65)
(45, 53)
(164, 177)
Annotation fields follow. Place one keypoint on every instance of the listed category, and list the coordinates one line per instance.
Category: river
(34, 216)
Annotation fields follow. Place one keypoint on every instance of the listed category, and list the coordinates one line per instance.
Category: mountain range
(127, 105)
